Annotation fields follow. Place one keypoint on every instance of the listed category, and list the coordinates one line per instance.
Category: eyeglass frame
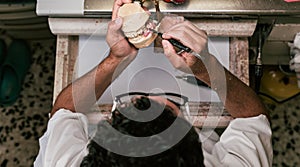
(117, 99)
(185, 99)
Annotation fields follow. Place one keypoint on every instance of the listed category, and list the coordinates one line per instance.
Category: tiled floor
(286, 133)
(22, 123)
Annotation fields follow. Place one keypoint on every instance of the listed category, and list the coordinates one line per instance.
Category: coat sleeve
(245, 142)
(65, 141)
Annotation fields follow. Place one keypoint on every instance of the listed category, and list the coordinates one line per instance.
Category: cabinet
(69, 30)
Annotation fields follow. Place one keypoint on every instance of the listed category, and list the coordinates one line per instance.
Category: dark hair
(186, 153)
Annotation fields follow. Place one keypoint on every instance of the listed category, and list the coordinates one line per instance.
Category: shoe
(13, 71)
(2, 51)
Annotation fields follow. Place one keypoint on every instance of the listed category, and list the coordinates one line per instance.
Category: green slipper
(2, 51)
(13, 71)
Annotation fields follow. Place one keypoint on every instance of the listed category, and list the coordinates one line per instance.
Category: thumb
(171, 54)
(168, 48)
(116, 24)
(177, 61)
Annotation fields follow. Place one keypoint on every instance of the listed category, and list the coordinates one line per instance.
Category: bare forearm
(85, 91)
(239, 99)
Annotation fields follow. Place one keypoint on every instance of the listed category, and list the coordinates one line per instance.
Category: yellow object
(278, 85)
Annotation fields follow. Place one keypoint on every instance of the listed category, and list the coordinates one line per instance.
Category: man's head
(186, 152)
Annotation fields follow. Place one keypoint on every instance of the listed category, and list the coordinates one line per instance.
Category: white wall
(60, 7)
(149, 72)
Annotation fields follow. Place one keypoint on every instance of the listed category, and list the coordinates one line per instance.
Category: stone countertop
(202, 114)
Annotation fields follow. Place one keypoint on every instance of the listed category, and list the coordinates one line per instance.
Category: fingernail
(166, 48)
(118, 21)
(164, 44)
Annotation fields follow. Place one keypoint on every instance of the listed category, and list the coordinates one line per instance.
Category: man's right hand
(191, 36)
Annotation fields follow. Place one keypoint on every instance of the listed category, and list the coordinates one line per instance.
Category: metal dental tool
(158, 13)
(192, 80)
(179, 45)
(174, 42)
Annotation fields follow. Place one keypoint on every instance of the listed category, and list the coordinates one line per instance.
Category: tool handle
(174, 42)
(179, 45)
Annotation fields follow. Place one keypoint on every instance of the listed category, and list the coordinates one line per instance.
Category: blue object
(13, 71)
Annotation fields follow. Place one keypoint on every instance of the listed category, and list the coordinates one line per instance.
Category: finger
(188, 28)
(188, 39)
(115, 9)
(168, 48)
(117, 5)
(116, 24)
(113, 32)
(188, 35)
(192, 27)
(169, 21)
(196, 29)
(176, 60)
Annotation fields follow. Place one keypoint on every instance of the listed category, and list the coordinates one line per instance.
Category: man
(245, 142)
